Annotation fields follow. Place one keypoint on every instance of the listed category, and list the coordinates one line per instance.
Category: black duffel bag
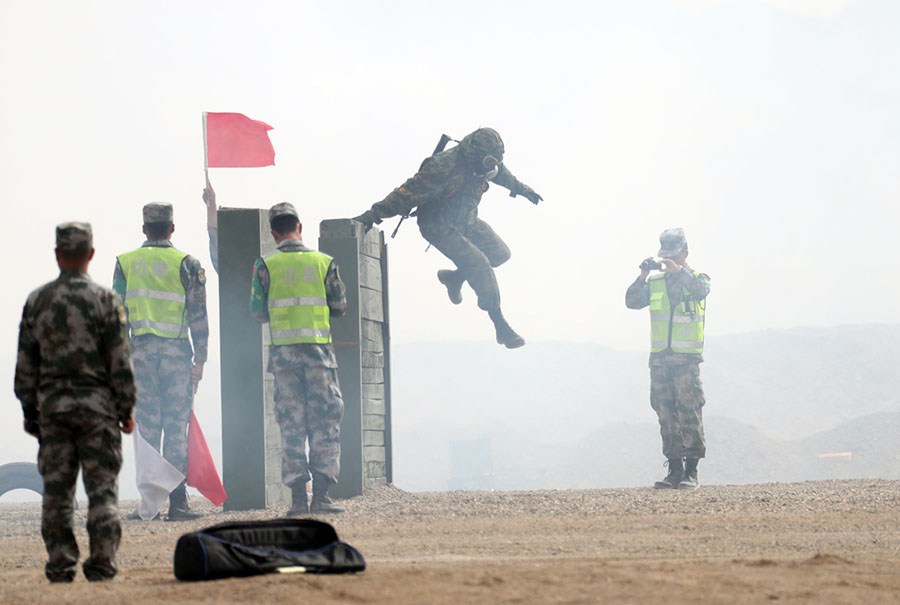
(257, 547)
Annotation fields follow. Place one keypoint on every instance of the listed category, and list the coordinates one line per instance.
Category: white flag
(156, 477)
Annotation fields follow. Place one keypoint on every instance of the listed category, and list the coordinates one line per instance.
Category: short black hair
(75, 256)
(157, 230)
(284, 224)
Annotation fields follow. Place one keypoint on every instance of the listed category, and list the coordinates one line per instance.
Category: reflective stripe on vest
(298, 308)
(679, 328)
(154, 294)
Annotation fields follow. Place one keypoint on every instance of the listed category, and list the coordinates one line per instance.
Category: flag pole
(205, 156)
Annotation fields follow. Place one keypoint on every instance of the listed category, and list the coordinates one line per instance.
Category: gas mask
(491, 167)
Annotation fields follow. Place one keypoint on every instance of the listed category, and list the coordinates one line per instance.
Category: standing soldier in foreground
(165, 296)
(76, 384)
(297, 290)
(447, 190)
(677, 301)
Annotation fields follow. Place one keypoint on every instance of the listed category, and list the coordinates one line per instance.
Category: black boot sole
(454, 290)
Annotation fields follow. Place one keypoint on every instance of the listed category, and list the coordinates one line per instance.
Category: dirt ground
(830, 541)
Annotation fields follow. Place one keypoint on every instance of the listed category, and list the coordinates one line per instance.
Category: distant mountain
(791, 383)
(628, 455)
(577, 415)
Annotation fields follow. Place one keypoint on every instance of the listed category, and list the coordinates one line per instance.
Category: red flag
(201, 470)
(235, 141)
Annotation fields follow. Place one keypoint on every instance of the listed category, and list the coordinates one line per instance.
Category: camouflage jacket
(444, 190)
(306, 354)
(73, 352)
(193, 278)
(638, 296)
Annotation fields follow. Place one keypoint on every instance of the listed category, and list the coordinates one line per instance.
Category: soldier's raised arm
(637, 296)
(212, 224)
(696, 284)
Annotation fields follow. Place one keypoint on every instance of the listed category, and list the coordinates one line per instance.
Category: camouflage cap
(671, 242)
(282, 209)
(157, 212)
(74, 237)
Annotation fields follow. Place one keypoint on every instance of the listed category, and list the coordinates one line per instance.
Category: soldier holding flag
(165, 298)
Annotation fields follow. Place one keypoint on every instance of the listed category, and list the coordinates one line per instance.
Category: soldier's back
(73, 322)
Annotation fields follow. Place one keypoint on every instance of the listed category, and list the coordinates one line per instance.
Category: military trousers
(475, 249)
(92, 443)
(676, 395)
(162, 370)
(308, 408)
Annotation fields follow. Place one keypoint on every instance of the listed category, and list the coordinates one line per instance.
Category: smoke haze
(767, 129)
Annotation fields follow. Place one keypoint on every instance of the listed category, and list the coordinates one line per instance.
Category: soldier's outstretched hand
(532, 196)
(209, 195)
(367, 219)
(528, 193)
(669, 266)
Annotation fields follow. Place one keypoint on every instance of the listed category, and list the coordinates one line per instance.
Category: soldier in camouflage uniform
(447, 190)
(677, 301)
(75, 381)
(165, 298)
(297, 290)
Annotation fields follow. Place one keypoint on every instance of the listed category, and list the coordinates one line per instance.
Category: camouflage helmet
(482, 142)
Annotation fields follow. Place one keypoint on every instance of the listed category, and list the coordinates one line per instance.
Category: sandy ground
(832, 541)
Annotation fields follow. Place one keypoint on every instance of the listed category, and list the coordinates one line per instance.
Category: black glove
(368, 219)
(527, 192)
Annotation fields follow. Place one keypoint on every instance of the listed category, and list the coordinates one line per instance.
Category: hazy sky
(768, 129)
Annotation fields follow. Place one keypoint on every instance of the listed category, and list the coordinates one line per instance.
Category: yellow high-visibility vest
(679, 328)
(298, 309)
(154, 295)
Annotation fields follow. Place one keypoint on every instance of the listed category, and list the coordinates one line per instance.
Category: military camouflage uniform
(163, 366)
(308, 403)
(676, 393)
(75, 381)
(447, 192)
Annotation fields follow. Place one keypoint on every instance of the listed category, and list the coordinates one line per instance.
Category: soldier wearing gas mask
(444, 196)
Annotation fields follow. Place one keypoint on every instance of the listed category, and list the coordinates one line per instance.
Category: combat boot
(322, 504)
(59, 575)
(454, 281)
(299, 503)
(178, 505)
(506, 336)
(689, 481)
(676, 473)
